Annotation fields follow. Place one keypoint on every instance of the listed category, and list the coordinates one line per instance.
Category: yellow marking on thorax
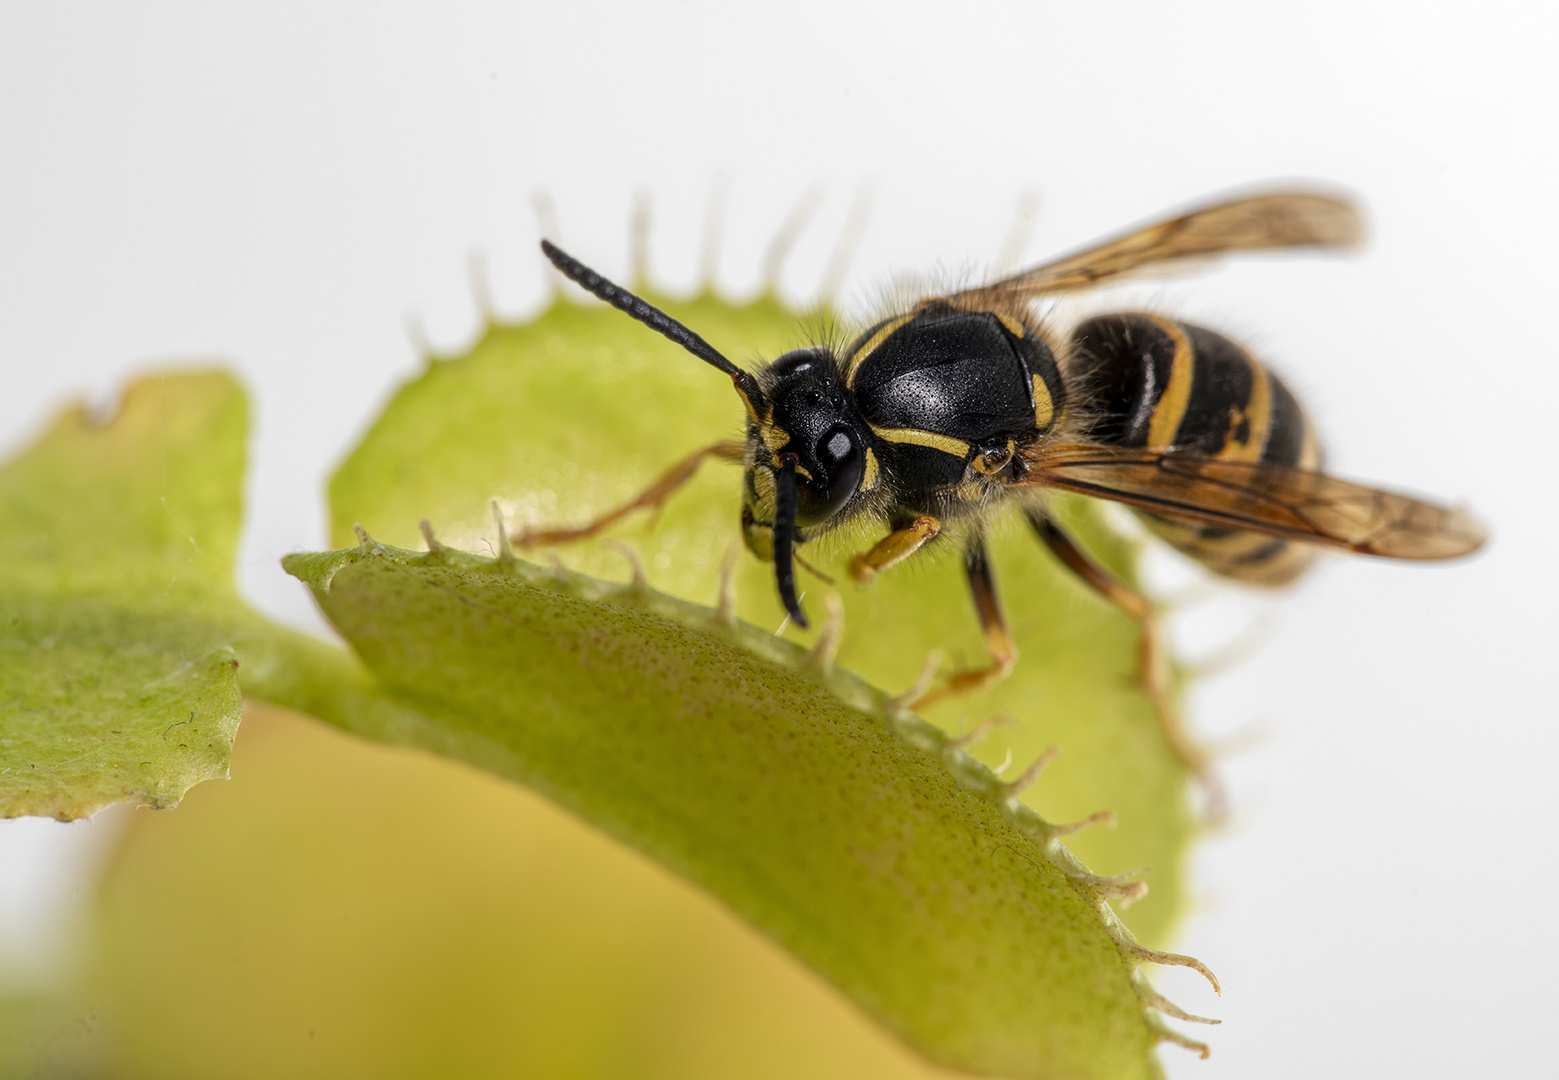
(1044, 406)
(1014, 326)
(869, 480)
(1257, 414)
(858, 357)
(914, 436)
(1171, 406)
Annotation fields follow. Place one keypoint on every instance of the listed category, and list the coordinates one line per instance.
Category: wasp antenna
(639, 240)
(790, 231)
(547, 224)
(849, 242)
(785, 537)
(651, 316)
(714, 231)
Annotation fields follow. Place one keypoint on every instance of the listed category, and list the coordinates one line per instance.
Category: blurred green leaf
(123, 640)
(117, 539)
(347, 908)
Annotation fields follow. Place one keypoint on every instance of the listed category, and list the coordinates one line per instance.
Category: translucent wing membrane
(1260, 222)
(1273, 499)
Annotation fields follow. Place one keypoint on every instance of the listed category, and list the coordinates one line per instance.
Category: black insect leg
(1152, 652)
(651, 498)
(993, 624)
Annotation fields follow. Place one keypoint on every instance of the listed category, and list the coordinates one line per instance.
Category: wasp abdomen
(1155, 382)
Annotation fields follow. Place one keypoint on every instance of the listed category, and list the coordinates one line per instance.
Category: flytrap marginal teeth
(725, 603)
(975, 735)
(1099, 817)
(560, 571)
(1153, 956)
(1123, 889)
(505, 549)
(641, 577)
(432, 542)
(482, 288)
(1155, 1000)
(366, 545)
(922, 683)
(1010, 791)
(1166, 1033)
(823, 651)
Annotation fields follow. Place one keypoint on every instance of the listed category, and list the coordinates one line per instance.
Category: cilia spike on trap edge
(936, 416)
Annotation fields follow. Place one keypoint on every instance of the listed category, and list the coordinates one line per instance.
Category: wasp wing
(1294, 504)
(1258, 222)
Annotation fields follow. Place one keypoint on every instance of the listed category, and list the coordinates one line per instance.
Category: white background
(279, 186)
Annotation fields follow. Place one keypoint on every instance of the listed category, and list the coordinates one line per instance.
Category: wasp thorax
(811, 416)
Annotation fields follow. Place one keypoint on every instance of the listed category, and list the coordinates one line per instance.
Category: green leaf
(857, 837)
(123, 641)
(117, 539)
(578, 410)
(853, 833)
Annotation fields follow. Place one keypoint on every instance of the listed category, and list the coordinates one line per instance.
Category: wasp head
(806, 451)
(807, 456)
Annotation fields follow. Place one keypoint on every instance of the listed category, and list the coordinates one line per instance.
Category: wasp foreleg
(894, 548)
(651, 498)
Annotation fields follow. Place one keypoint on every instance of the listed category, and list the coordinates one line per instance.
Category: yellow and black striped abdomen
(1155, 382)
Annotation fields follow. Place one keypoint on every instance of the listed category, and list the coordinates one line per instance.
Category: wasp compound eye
(840, 466)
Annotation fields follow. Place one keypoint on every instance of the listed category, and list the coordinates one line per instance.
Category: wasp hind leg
(993, 624)
(651, 498)
(1152, 653)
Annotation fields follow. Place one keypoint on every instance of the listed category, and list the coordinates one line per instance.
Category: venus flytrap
(870, 843)
(857, 835)
(577, 410)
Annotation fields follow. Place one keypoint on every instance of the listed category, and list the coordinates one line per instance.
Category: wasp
(935, 416)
